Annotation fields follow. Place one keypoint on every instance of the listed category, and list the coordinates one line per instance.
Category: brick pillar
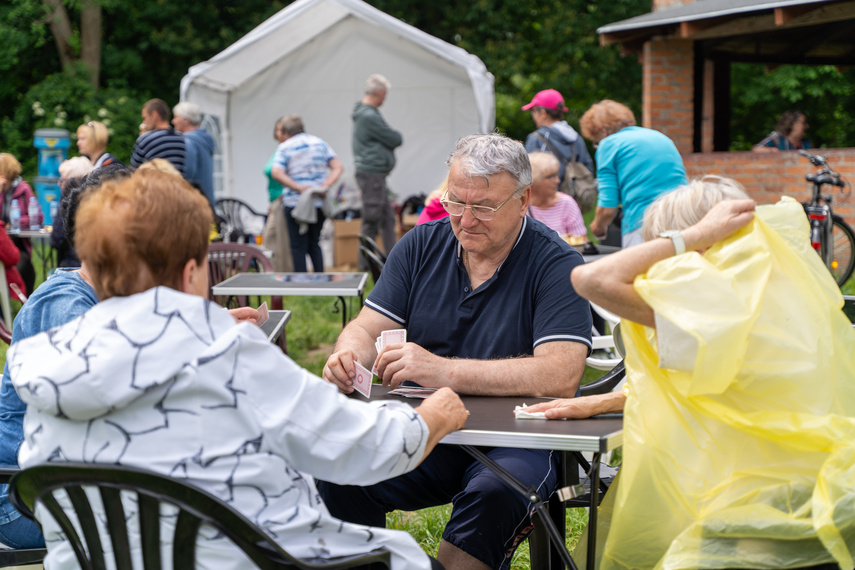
(667, 86)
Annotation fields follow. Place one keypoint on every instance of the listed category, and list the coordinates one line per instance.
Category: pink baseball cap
(549, 98)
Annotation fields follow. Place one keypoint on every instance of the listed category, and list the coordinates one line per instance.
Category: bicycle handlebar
(826, 178)
(815, 159)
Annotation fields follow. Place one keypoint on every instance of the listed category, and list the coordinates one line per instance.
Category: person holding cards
(158, 377)
(486, 301)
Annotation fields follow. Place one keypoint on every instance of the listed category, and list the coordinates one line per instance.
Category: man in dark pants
(374, 144)
(485, 298)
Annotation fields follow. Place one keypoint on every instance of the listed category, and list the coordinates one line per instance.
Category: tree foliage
(823, 93)
(530, 46)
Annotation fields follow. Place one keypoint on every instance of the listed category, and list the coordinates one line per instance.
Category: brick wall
(667, 85)
(767, 177)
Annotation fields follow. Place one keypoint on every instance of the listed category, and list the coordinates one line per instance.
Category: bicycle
(830, 235)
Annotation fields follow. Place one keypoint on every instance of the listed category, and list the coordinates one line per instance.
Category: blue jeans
(22, 533)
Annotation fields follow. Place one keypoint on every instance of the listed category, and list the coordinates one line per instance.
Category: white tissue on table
(521, 415)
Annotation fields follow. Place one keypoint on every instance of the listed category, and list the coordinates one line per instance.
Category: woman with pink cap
(553, 134)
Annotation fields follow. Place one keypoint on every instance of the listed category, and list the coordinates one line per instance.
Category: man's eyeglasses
(483, 213)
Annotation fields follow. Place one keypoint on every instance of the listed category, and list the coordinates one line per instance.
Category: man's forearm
(542, 376)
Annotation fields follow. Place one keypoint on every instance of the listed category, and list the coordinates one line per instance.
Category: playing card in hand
(397, 336)
(263, 314)
(362, 380)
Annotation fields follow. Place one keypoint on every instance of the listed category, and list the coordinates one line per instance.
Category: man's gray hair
(489, 154)
(376, 83)
(292, 125)
(189, 111)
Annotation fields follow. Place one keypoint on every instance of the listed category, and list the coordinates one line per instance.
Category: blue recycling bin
(47, 191)
(52, 145)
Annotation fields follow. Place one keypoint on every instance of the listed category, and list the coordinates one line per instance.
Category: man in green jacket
(374, 144)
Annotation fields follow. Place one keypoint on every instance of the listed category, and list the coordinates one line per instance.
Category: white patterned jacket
(168, 382)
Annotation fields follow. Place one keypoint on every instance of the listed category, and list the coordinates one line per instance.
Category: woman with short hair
(635, 165)
(738, 407)
(92, 138)
(555, 209)
(13, 187)
(158, 377)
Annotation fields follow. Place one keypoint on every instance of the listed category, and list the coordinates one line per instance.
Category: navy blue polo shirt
(528, 301)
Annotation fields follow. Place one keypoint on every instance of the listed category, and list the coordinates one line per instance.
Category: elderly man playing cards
(486, 301)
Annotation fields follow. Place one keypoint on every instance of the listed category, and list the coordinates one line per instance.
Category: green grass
(426, 527)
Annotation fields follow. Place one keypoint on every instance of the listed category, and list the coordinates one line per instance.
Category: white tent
(312, 58)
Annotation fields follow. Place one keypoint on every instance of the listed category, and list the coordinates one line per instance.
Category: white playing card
(362, 380)
(263, 314)
(393, 337)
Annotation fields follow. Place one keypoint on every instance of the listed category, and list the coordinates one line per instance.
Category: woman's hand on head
(724, 220)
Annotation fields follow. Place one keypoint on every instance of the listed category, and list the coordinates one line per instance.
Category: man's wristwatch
(677, 239)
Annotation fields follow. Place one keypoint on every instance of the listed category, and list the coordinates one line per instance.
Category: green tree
(135, 51)
(822, 92)
(530, 46)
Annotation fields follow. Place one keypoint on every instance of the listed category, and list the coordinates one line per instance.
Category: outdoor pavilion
(686, 49)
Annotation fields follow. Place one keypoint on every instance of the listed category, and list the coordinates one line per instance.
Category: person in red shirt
(10, 255)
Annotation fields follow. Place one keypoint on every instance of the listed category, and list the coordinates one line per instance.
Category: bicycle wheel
(843, 240)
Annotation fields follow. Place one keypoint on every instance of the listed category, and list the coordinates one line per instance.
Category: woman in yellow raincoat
(739, 429)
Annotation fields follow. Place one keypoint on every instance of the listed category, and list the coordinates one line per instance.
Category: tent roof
(306, 19)
(770, 31)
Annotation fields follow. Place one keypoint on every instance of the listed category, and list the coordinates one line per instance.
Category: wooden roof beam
(694, 27)
(786, 15)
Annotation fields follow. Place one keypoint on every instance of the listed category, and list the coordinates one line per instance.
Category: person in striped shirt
(159, 140)
(555, 209)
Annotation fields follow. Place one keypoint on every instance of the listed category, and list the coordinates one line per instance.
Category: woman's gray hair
(541, 162)
(189, 111)
(376, 83)
(75, 167)
(687, 204)
(489, 154)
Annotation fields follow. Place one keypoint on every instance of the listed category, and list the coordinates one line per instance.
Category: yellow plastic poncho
(746, 460)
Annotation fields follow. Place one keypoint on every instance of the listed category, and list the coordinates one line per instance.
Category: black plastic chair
(375, 263)
(17, 556)
(241, 221)
(195, 508)
(372, 246)
(21, 557)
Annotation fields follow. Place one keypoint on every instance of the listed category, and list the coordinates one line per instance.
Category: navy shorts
(488, 519)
